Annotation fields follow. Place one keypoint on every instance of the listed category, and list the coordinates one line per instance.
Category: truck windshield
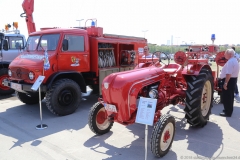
(48, 42)
(32, 43)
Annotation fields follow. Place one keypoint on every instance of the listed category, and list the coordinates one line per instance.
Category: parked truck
(15, 43)
(77, 57)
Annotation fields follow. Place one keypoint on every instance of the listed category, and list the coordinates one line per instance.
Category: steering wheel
(162, 56)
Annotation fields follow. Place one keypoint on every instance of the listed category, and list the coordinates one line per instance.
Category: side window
(15, 42)
(75, 43)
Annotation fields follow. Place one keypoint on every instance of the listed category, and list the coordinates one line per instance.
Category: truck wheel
(162, 135)
(98, 121)
(32, 98)
(3, 89)
(199, 98)
(63, 97)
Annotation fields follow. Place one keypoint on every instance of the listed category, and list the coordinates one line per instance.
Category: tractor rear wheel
(163, 135)
(63, 97)
(4, 90)
(199, 98)
(29, 98)
(98, 120)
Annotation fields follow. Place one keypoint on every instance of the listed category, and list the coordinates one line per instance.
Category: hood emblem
(19, 74)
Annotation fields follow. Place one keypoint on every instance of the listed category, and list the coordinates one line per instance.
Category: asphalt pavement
(69, 137)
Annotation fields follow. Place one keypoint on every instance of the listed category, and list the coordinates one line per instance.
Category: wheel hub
(100, 117)
(166, 136)
(65, 98)
(2, 78)
(206, 98)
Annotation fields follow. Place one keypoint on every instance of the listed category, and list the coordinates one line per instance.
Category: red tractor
(190, 81)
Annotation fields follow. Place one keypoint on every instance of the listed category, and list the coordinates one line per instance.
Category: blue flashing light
(213, 37)
(93, 23)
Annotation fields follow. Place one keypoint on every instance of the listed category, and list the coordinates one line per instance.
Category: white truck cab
(15, 45)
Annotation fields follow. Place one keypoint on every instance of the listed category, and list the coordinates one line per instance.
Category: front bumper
(21, 87)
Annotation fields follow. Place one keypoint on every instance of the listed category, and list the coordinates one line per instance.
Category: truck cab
(15, 44)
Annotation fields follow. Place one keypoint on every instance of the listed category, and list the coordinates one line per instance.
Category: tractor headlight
(106, 85)
(153, 93)
(31, 75)
(9, 73)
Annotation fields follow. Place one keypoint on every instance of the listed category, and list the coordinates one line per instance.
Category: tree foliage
(173, 49)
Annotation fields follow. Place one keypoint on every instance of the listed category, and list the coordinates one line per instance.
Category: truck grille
(19, 73)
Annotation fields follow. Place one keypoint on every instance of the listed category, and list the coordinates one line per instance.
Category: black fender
(4, 64)
(76, 76)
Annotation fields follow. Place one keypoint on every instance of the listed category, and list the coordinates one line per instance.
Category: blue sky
(185, 20)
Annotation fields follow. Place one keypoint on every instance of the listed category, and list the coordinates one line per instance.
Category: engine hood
(30, 59)
(122, 88)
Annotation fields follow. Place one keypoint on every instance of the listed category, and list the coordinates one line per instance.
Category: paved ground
(69, 137)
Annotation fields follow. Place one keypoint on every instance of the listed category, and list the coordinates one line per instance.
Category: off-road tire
(31, 98)
(4, 90)
(98, 121)
(165, 126)
(199, 98)
(63, 97)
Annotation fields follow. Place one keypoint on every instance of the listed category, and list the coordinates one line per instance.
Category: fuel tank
(121, 89)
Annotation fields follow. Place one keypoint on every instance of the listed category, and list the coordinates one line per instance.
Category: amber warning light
(7, 26)
(15, 25)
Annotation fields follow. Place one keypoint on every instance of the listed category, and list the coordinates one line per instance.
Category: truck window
(14, 42)
(49, 42)
(75, 43)
(32, 43)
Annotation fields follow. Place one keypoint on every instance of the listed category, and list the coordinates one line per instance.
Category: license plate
(16, 86)
(110, 107)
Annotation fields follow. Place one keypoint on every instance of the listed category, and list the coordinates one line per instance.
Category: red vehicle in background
(77, 57)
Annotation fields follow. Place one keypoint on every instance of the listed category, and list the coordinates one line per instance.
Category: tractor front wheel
(162, 135)
(98, 120)
(199, 98)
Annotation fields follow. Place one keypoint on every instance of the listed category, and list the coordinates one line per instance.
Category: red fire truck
(75, 58)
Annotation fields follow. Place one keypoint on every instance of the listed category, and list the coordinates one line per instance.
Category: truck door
(76, 58)
(14, 44)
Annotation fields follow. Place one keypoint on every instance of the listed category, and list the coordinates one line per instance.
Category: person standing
(229, 76)
(236, 93)
(147, 54)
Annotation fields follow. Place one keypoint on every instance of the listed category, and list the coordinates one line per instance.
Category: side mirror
(65, 45)
(5, 44)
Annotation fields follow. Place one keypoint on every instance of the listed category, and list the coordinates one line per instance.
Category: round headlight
(9, 73)
(153, 93)
(106, 85)
(31, 75)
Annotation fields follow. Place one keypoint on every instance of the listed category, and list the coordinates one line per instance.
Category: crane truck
(14, 42)
(77, 58)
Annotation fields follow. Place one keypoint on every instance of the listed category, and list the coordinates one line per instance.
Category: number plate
(16, 86)
(110, 107)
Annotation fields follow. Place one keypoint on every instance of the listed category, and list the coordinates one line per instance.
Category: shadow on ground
(135, 148)
(19, 122)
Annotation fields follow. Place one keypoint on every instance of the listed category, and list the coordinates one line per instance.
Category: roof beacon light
(93, 24)
(213, 38)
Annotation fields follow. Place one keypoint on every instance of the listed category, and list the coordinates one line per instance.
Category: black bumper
(23, 87)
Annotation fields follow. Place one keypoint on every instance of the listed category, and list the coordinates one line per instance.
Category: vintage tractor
(189, 81)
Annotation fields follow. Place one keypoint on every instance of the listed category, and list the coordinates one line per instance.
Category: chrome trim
(132, 87)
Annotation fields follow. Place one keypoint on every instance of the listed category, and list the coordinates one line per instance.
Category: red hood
(122, 88)
(30, 59)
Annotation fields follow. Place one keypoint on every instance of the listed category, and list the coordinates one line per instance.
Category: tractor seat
(170, 70)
